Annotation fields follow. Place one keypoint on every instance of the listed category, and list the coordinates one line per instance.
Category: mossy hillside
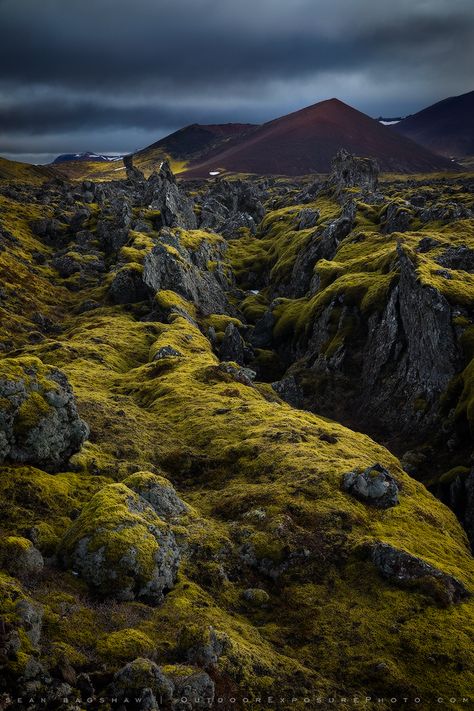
(32, 499)
(294, 473)
(28, 287)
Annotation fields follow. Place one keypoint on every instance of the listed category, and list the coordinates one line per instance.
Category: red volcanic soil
(446, 127)
(307, 140)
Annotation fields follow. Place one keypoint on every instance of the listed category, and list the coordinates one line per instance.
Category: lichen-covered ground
(275, 592)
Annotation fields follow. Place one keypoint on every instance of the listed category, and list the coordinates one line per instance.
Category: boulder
(121, 547)
(256, 597)
(408, 571)
(202, 646)
(375, 486)
(159, 492)
(138, 676)
(194, 691)
(39, 422)
(20, 557)
(30, 617)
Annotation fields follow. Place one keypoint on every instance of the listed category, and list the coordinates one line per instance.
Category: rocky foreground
(236, 428)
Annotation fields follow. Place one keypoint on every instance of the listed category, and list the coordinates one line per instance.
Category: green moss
(30, 413)
(124, 645)
(453, 473)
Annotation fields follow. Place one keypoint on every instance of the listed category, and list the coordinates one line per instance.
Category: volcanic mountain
(306, 141)
(446, 127)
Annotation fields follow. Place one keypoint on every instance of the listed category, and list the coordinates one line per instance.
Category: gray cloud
(119, 71)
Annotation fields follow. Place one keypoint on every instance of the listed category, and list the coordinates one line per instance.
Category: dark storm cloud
(90, 68)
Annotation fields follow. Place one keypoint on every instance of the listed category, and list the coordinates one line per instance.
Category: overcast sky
(116, 75)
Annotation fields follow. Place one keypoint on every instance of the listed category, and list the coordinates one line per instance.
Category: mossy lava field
(236, 423)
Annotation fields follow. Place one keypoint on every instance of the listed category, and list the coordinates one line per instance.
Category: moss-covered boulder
(139, 676)
(39, 421)
(121, 548)
(19, 556)
(159, 492)
(21, 622)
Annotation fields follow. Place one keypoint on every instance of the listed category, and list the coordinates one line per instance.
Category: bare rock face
(233, 346)
(121, 547)
(375, 486)
(349, 171)
(39, 422)
(170, 266)
(390, 368)
(127, 286)
(162, 193)
(307, 218)
(322, 244)
(408, 571)
(228, 206)
(412, 352)
(396, 218)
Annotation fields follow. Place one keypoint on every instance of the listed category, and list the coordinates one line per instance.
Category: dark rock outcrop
(408, 571)
(349, 171)
(396, 218)
(228, 206)
(170, 266)
(128, 287)
(162, 193)
(232, 347)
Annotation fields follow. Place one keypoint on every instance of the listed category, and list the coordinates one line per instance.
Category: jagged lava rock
(349, 171)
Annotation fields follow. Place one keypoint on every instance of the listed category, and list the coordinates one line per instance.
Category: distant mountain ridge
(305, 142)
(446, 127)
(91, 157)
(299, 143)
